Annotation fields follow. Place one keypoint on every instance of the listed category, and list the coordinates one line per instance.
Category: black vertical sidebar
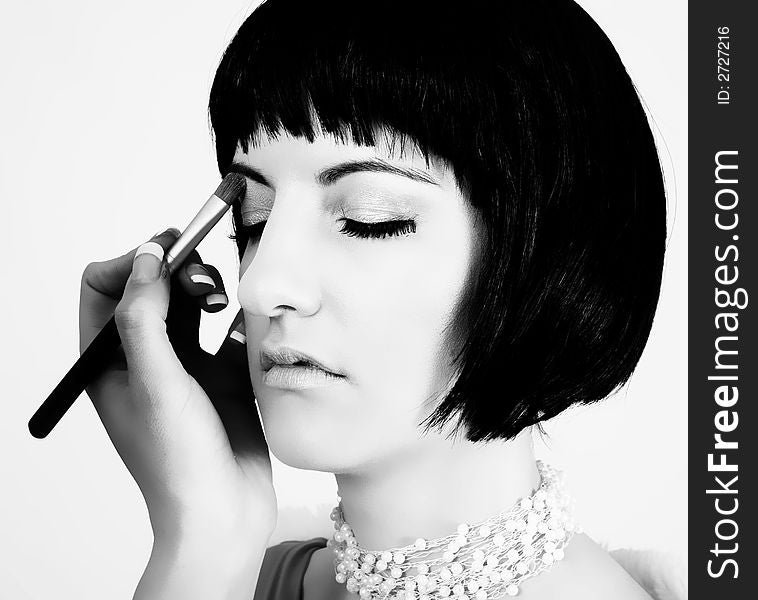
(723, 299)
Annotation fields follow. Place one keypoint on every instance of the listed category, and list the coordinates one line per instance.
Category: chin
(311, 455)
(306, 437)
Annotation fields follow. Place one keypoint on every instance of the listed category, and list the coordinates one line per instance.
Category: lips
(286, 356)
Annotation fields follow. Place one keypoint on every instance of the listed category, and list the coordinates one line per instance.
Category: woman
(453, 230)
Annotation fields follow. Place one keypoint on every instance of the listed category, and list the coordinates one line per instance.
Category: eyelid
(257, 203)
(376, 216)
(370, 205)
(377, 204)
(254, 215)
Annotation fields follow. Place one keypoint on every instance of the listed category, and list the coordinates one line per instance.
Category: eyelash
(378, 230)
(350, 227)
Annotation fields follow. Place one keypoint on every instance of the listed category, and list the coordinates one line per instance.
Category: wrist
(211, 525)
(203, 563)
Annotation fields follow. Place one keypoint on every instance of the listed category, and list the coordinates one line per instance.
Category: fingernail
(200, 275)
(238, 331)
(238, 336)
(219, 298)
(204, 279)
(148, 261)
(237, 328)
(173, 230)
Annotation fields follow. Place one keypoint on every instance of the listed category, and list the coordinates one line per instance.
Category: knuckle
(133, 315)
(141, 279)
(89, 272)
(213, 271)
(129, 318)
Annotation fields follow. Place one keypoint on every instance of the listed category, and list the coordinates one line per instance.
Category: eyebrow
(330, 175)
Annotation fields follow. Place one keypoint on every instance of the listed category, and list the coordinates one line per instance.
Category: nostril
(281, 310)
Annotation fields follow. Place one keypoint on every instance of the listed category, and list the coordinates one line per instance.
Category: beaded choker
(480, 561)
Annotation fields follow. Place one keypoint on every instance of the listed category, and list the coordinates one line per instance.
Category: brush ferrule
(206, 218)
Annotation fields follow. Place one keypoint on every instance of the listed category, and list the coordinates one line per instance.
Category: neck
(432, 489)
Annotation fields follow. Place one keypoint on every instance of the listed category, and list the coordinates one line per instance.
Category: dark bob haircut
(530, 105)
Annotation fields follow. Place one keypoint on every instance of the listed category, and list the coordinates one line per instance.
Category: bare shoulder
(587, 572)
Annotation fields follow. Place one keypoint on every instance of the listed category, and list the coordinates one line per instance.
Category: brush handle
(90, 364)
(97, 355)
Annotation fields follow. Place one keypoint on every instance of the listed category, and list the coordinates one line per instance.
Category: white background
(104, 140)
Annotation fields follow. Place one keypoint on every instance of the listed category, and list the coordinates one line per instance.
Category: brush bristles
(231, 187)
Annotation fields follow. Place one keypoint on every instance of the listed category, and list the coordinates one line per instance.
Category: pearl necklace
(481, 561)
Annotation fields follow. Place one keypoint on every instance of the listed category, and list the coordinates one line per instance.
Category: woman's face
(373, 309)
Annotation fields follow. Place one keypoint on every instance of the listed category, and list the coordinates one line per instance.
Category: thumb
(141, 320)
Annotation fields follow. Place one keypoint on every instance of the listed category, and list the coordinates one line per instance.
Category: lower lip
(292, 377)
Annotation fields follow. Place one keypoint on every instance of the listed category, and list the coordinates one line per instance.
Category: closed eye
(350, 227)
(381, 229)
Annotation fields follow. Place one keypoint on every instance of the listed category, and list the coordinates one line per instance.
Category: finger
(234, 343)
(154, 368)
(109, 277)
(216, 299)
(183, 323)
(238, 409)
(102, 287)
(183, 319)
(194, 278)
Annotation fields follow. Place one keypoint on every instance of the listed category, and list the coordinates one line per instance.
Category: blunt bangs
(309, 67)
(530, 105)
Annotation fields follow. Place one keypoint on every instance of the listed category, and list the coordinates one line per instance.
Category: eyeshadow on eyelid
(254, 215)
(377, 207)
(255, 206)
(258, 194)
(376, 215)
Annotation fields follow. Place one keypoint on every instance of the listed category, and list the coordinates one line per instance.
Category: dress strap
(283, 569)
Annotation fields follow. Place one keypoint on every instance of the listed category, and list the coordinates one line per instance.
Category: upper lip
(284, 355)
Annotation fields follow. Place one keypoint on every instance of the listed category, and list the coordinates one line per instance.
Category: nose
(279, 274)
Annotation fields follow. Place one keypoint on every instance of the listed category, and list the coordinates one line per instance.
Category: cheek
(387, 302)
(398, 297)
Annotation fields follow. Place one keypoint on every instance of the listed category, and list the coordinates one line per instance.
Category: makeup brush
(100, 351)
